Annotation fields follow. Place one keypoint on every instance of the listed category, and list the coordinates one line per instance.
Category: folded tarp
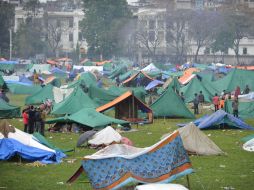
(116, 165)
(28, 148)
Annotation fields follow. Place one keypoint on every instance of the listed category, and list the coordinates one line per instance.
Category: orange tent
(126, 108)
(187, 75)
(102, 62)
(51, 62)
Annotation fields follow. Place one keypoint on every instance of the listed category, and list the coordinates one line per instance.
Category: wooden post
(188, 182)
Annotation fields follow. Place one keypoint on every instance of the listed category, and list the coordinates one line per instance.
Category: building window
(151, 36)
(161, 36)
(151, 24)
(245, 51)
(70, 37)
(70, 23)
(58, 23)
(160, 24)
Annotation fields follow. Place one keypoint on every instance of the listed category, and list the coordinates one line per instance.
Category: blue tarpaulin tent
(221, 119)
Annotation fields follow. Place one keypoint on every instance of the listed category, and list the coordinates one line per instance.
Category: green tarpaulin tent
(195, 86)
(100, 95)
(88, 78)
(8, 111)
(39, 97)
(169, 104)
(121, 69)
(236, 77)
(23, 89)
(245, 109)
(89, 117)
(73, 103)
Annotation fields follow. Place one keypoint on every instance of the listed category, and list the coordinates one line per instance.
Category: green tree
(6, 20)
(101, 25)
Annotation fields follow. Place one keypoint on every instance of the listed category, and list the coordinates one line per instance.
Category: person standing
(237, 92)
(246, 90)
(25, 120)
(201, 100)
(195, 103)
(216, 101)
(235, 107)
(31, 120)
(37, 120)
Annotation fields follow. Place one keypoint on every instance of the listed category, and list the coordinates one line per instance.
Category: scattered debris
(228, 188)
(60, 183)
(36, 164)
(222, 166)
(149, 133)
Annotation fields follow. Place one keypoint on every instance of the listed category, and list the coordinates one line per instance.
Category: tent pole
(188, 181)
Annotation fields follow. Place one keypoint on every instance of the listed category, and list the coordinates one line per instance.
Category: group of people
(34, 119)
(219, 101)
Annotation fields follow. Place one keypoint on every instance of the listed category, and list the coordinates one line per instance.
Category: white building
(65, 22)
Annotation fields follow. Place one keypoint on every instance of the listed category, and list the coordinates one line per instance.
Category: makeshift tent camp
(23, 88)
(73, 103)
(121, 69)
(195, 86)
(126, 108)
(138, 79)
(88, 78)
(196, 142)
(188, 75)
(48, 92)
(40, 68)
(169, 104)
(220, 120)
(100, 95)
(27, 147)
(41, 96)
(88, 117)
(117, 165)
(8, 111)
(236, 77)
(150, 68)
(153, 84)
(245, 109)
(106, 137)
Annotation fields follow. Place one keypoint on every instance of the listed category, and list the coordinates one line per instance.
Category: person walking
(25, 120)
(216, 101)
(195, 103)
(235, 107)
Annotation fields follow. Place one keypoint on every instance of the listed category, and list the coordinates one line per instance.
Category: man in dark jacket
(195, 103)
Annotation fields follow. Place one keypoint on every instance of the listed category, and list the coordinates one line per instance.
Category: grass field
(235, 170)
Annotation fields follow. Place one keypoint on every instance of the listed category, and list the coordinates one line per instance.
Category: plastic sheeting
(106, 136)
